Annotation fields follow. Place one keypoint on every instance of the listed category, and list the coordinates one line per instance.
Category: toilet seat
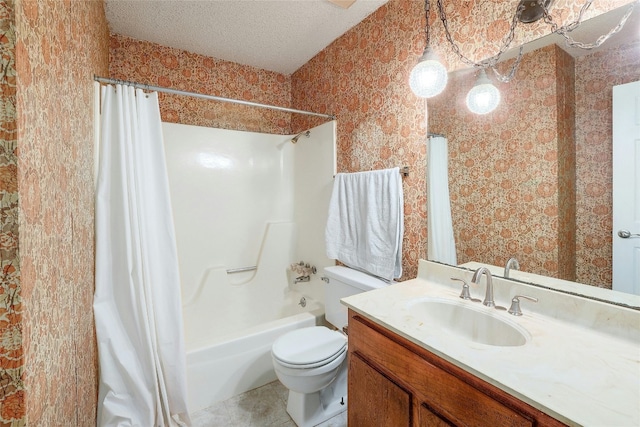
(315, 364)
(309, 347)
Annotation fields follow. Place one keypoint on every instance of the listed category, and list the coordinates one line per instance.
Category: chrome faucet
(488, 296)
(512, 263)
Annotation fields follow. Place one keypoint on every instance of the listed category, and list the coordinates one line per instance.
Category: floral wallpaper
(506, 197)
(157, 65)
(566, 167)
(12, 399)
(60, 46)
(596, 74)
(48, 367)
(479, 27)
(362, 78)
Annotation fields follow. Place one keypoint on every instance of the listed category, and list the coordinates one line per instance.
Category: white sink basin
(478, 324)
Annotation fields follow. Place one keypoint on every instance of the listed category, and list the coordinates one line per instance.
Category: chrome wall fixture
(295, 138)
(484, 96)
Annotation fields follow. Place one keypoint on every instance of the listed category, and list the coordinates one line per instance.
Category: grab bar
(241, 269)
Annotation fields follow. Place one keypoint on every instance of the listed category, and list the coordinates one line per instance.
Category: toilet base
(309, 410)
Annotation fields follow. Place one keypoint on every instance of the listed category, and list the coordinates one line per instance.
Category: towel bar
(404, 171)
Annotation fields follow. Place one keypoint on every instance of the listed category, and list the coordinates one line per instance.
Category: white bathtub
(225, 359)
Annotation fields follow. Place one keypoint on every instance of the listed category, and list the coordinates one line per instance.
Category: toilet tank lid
(354, 278)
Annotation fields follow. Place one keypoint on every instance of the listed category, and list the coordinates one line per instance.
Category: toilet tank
(344, 282)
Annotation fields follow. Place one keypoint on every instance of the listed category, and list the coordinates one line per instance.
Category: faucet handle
(465, 288)
(515, 304)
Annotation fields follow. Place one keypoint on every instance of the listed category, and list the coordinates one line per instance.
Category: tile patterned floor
(265, 406)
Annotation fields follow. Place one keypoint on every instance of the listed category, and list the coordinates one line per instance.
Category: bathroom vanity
(566, 361)
(393, 381)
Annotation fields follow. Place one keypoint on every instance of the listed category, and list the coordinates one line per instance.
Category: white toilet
(312, 362)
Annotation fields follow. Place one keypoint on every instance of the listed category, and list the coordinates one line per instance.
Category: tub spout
(302, 279)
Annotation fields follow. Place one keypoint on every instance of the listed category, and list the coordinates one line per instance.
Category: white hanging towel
(365, 224)
(441, 245)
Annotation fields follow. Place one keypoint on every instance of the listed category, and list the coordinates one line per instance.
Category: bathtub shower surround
(136, 303)
(246, 206)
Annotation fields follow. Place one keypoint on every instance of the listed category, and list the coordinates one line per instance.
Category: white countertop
(585, 372)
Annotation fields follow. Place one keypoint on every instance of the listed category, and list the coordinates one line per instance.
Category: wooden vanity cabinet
(395, 383)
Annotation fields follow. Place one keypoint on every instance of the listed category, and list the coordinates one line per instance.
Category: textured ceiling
(276, 35)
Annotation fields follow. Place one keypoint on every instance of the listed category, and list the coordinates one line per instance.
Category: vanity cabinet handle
(515, 304)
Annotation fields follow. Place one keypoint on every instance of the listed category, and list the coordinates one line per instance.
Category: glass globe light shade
(429, 77)
(483, 97)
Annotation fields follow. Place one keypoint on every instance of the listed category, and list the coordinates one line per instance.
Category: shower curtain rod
(209, 97)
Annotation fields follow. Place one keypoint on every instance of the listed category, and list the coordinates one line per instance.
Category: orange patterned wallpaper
(506, 199)
(362, 78)
(596, 74)
(566, 167)
(153, 64)
(480, 26)
(12, 403)
(379, 92)
(60, 45)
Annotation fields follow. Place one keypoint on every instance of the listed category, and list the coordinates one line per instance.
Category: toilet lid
(309, 346)
(339, 355)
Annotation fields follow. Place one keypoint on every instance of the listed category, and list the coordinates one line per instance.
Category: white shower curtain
(137, 303)
(441, 245)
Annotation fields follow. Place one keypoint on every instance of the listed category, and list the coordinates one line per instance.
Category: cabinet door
(375, 400)
(430, 418)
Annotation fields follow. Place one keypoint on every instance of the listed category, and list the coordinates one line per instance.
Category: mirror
(532, 179)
